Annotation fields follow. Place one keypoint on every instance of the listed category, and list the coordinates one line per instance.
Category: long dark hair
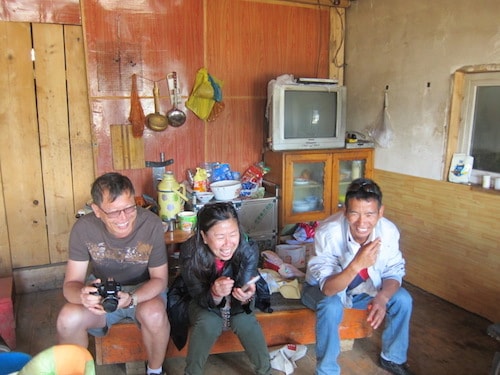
(210, 214)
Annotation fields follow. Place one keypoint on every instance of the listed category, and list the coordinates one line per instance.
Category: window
(479, 128)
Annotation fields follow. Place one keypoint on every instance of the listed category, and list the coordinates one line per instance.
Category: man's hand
(367, 254)
(378, 306)
(377, 309)
(91, 299)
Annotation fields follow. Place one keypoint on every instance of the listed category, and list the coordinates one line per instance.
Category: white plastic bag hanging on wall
(381, 131)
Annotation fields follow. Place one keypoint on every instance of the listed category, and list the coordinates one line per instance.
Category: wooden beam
(337, 44)
(329, 3)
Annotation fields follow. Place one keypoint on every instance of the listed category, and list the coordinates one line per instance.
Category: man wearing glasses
(123, 247)
(358, 264)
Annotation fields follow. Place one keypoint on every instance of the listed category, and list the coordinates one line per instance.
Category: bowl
(226, 190)
(204, 196)
(301, 206)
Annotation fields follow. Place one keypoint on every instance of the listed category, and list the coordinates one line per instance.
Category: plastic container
(11, 362)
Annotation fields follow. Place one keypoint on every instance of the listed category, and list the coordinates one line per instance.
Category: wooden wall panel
(449, 237)
(19, 149)
(243, 43)
(41, 11)
(248, 44)
(82, 158)
(237, 136)
(48, 42)
(5, 260)
(45, 149)
(150, 39)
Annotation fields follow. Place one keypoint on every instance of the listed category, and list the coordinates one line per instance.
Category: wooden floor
(445, 340)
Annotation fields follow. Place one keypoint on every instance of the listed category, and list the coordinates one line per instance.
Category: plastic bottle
(226, 314)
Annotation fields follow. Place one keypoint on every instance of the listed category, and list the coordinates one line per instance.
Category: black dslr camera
(109, 293)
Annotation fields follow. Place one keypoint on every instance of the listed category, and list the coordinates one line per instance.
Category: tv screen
(310, 114)
(306, 116)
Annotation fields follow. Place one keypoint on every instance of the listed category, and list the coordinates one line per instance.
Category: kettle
(171, 196)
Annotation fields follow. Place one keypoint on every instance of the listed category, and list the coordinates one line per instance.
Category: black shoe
(394, 368)
(494, 331)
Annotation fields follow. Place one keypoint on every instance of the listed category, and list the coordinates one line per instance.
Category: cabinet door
(307, 194)
(348, 167)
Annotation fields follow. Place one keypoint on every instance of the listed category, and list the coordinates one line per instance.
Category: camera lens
(110, 304)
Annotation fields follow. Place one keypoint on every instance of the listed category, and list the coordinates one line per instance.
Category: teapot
(171, 197)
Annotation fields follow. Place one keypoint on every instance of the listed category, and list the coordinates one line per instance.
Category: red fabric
(364, 274)
(219, 265)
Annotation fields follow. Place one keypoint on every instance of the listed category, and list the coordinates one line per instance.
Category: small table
(172, 239)
(177, 236)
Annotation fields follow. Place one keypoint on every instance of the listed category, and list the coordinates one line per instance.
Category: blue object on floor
(12, 362)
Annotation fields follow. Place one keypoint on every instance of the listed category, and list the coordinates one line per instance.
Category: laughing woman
(215, 264)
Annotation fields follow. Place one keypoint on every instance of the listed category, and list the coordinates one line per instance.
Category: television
(303, 116)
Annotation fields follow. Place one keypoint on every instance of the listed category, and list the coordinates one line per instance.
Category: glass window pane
(485, 143)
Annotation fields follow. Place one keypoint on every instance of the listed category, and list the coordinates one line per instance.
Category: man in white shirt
(358, 264)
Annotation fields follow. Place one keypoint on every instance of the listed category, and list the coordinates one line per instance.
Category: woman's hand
(222, 287)
(246, 296)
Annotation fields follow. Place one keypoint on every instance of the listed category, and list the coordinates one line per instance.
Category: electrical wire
(341, 44)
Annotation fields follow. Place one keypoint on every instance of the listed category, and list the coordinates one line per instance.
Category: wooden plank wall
(19, 151)
(243, 43)
(46, 154)
(48, 157)
(450, 239)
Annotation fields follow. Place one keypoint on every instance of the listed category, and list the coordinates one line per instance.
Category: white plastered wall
(413, 48)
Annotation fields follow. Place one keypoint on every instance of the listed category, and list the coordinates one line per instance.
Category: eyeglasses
(115, 214)
(367, 187)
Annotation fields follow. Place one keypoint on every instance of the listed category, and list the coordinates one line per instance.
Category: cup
(186, 220)
(486, 182)
(497, 183)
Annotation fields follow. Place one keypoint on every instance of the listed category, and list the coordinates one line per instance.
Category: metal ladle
(175, 116)
(156, 121)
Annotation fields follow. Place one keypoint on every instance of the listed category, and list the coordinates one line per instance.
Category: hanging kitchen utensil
(175, 116)
(156, 121)
(136, 117)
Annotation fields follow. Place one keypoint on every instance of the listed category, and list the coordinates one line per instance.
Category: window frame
(471, 83)
(462, 112)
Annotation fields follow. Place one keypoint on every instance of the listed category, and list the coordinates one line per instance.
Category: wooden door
(46, 161)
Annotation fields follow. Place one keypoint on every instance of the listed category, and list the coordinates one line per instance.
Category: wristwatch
(133, 300)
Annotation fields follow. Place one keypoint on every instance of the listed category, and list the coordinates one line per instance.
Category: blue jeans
(329, 313)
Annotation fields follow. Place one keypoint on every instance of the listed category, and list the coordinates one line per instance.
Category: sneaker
(494, 331)
(394, 368)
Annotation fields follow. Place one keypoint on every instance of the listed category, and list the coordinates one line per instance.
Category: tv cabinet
(311, 185)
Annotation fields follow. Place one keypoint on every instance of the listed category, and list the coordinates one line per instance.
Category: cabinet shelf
(325, 193)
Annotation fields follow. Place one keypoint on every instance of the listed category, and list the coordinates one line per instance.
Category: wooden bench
(123, 343)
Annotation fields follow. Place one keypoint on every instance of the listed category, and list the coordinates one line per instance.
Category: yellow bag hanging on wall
(201, 100)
